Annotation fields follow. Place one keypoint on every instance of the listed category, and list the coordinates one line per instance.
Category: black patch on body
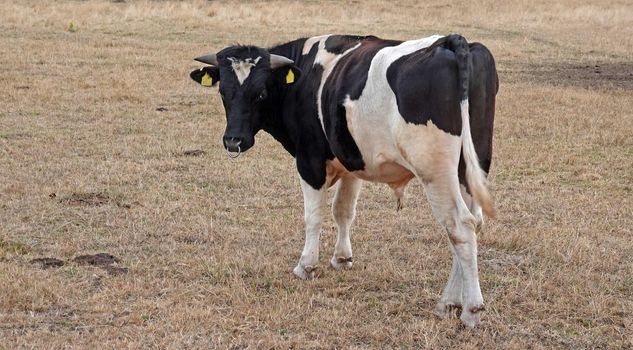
(426, 85)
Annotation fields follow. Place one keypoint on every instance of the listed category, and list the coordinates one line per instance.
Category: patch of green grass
(9, 248)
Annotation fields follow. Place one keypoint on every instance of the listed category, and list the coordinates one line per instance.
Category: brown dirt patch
(48, 262)
(589, 76)
(100, 259)
(91, 199)
(105, 261)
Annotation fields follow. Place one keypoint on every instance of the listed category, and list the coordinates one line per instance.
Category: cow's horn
(277, 61)
(208, 59)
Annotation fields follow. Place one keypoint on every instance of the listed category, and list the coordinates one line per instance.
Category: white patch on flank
(242, 68)
(377, 124)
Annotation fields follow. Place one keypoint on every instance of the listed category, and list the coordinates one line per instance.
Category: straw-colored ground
(95, 117)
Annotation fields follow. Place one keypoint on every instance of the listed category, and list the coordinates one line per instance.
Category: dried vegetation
(96, 107)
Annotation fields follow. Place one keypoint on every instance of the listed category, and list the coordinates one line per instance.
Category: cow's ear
(287, 75)
(206, 76)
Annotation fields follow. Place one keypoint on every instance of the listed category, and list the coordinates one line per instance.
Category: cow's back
(372, 94)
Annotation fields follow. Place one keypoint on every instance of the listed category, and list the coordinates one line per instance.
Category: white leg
(344, 211)
(452, 294)
(474, 208)
(313, 202)
(450, 210)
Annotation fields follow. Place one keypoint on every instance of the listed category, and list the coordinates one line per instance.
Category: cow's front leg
(344, 210)
(313, 202)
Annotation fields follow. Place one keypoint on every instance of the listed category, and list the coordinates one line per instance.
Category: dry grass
(209, 243)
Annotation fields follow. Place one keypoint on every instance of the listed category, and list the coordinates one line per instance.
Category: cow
(351, 108)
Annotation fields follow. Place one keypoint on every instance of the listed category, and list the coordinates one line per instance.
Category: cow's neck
(275, 125)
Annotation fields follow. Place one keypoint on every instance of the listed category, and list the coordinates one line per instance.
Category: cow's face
(250, 82)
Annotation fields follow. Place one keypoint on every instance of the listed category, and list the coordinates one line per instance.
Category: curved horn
(208, 59)
(277, 61)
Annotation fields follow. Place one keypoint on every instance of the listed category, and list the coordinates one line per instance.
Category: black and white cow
(351, 108)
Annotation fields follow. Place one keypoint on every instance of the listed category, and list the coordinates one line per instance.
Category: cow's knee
(462, 229)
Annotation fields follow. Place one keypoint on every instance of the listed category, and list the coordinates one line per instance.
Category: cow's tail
(475, 177)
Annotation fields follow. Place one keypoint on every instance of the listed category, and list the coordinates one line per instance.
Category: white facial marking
(242, 68)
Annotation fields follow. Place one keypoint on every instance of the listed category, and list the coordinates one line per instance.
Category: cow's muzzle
(232, 146)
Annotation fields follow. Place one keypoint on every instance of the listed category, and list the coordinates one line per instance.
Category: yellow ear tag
(206, 80)
(290, 77)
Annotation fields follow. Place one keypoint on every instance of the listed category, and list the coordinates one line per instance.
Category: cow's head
(251, 80)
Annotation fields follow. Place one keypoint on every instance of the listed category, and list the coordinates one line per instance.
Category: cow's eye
(262, 95)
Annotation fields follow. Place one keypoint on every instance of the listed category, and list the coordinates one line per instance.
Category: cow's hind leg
(452, 294)
(344, 210)
(451, 211)
(313, 201)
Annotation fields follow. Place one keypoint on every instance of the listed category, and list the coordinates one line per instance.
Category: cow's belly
(382, 167)
(381, 170)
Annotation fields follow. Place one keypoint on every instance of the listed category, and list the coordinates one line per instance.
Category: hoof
(471, 316)
(341, 263)
(443, 310)
(305, 272)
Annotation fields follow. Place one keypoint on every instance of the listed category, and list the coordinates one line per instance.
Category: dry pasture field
(107, 146)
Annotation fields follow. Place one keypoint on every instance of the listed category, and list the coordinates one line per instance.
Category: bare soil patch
(100, 259)
(588, 76)
(91, 199)
(105, 261)
(48, 262)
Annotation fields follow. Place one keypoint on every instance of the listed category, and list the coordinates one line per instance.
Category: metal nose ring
(234, 155)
